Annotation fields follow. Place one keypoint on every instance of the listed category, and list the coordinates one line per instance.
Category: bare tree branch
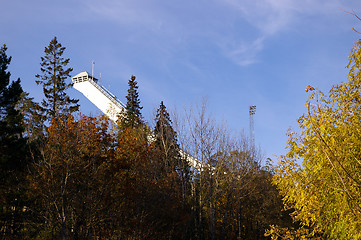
(355, 15)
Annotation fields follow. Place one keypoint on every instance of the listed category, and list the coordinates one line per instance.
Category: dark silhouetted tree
(12, 153)
(166, 137)
(54, 73)
(169, 151)
(132, 116)
(32, 118)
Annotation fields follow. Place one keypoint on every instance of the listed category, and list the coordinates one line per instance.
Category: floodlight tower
(109, 104)
(252, 112)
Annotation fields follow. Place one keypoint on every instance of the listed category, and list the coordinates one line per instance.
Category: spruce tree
(166, 137)
(11, 128)
(12, 154)
(54, 73)
(132, 118)
(167, 145)
(32, 118)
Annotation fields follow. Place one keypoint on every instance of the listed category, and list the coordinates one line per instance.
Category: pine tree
(12, 153)
(132, 117)
(54, 74)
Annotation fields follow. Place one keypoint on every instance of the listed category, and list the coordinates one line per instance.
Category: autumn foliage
(71, 176)
(320, 176)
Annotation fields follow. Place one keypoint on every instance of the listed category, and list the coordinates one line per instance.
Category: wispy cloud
(266, 15)
(269, 18)
(273, 16)
(171, 25)
(125, 12)
(245, 53)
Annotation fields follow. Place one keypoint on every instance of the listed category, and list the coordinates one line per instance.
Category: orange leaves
(309, 88)
(72, 171)
(83, 136)
(113, 185)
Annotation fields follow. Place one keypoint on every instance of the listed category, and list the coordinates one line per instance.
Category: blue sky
(236, 53)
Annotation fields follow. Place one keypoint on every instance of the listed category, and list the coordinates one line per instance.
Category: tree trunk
(211, 208)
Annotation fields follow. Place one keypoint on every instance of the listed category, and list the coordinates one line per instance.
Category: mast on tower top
(109, 104)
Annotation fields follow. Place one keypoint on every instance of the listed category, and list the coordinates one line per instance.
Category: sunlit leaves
(71, 175)
(325, 190)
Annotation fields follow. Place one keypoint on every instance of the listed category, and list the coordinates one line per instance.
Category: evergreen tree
(32, 118)
(11, 140)
(132, 117)
(167, 146)
(166, 137)
(12, 152)
(54, 74)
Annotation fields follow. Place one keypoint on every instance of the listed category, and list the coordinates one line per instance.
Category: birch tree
(320, 176)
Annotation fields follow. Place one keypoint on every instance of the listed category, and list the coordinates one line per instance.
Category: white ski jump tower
(109, 104)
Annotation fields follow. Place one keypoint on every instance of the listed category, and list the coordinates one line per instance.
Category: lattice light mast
(252, 112)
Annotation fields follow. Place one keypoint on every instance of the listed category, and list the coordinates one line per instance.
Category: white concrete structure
(99, 95)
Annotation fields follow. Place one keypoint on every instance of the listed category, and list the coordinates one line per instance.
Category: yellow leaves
(325, 192)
